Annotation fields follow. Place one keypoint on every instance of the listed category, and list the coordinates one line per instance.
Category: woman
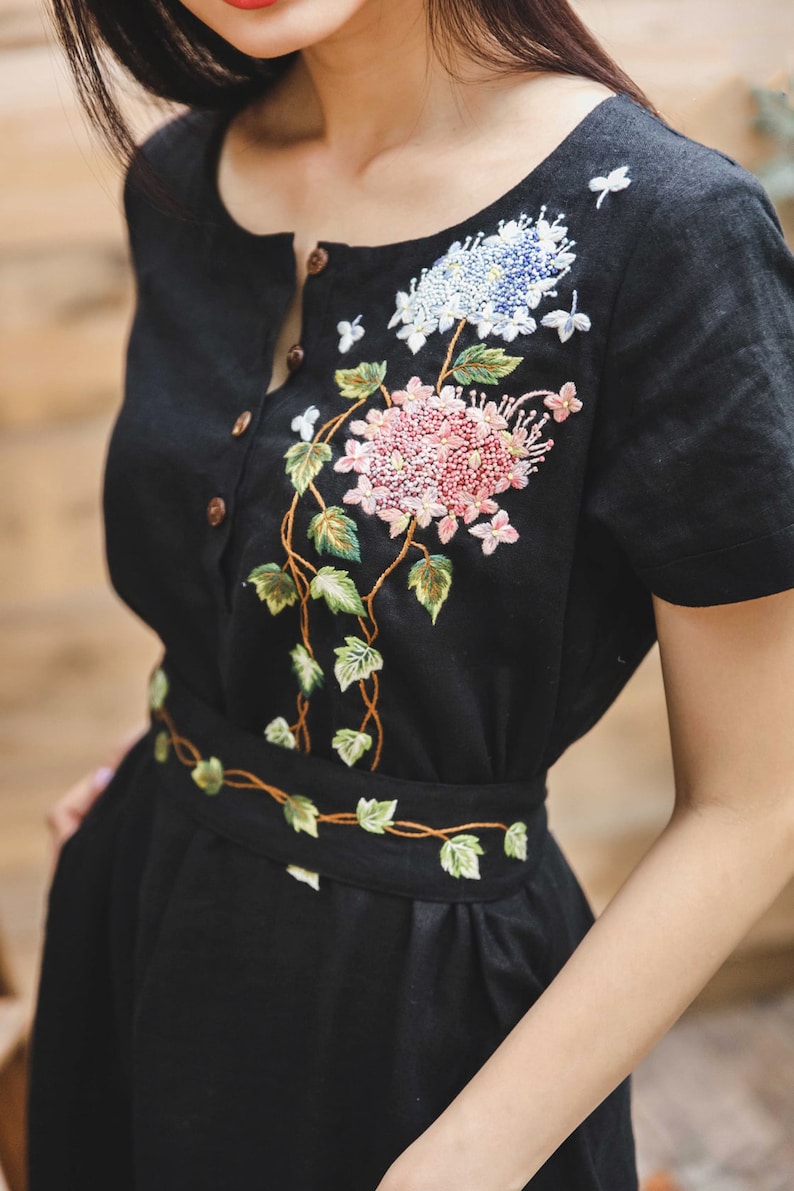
(407, 507)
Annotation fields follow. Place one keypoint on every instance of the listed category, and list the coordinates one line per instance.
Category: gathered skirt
(206, 1022)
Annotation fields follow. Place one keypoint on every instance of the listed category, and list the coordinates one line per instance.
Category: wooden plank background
(714, 1101)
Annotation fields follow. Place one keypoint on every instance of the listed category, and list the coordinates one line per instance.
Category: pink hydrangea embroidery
(439, 458)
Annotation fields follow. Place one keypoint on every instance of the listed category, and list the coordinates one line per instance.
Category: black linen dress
(321, 889)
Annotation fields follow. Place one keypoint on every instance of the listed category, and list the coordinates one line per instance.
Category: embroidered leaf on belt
(301, 813)
(459, 856)
(208, 775)
(278, 732)
(304, 874)
(304, 460)
(333, 532)
(274, 586)
(483, 365)
(162, 745)
(337, 589)
(431, 578)
(158, 689)
(351, 745)
(356, 661)
(360, 382)
(516, 841)
(307, 670)
(374, 816)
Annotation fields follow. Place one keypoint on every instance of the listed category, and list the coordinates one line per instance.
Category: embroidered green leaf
(355, 660)
(374, 816)
(301, 813)
(351, 745)
(516, 841)
(304, 460)
(307, 670)
(431, 579)
(459, 856)
(483, 365)
(304, 874)
(162, 745)
(360, 382)
(208, 775)
(333, 532)
(278, 732)
(158, 689)
(337, 589)
(273, 586)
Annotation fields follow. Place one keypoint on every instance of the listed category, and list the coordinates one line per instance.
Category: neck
(376, 84)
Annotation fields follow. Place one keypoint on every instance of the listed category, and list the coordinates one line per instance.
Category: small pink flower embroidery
(413, 391)
(356, 456)
(563, 403)
(497, 530)
(365, 495)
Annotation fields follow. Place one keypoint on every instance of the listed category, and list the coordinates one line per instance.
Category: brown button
(294, 357)
(317, 260)
(242, 423)
(216, 510)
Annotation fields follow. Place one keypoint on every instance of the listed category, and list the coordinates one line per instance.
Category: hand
(66, 815)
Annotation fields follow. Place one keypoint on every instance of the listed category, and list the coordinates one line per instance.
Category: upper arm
(728, 672)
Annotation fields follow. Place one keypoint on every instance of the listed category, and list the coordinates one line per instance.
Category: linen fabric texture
(441, 539)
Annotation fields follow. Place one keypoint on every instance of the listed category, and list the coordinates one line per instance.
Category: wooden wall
(74, 660)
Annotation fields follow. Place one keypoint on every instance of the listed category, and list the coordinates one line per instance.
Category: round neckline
(486, 215)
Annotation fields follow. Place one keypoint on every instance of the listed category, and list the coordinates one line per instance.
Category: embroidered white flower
(406, 307)
(520, 322)
(536, 289)
(349, 333)
(416, 333)
(614, 181)
(303, 424)
(497, 530)
(565, 322)
(549, 235)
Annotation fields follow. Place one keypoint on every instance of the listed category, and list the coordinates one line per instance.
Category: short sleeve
(693, 461)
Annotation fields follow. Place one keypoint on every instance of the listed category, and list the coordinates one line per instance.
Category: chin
(271, 28)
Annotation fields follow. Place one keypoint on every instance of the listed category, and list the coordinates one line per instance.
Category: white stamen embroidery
(614, 181)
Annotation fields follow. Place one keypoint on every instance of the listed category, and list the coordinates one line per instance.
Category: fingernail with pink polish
(103, 775)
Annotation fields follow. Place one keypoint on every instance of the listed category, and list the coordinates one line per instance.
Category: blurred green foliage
(775, 118)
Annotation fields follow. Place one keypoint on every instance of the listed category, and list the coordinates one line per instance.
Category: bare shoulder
(556, 102)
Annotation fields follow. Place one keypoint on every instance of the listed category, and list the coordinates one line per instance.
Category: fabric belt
(428, 840)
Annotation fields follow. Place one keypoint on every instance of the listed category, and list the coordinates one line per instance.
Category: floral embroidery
(614, 181)
(490, 281)
(349, 333)
(563, 403)
(305, 875)
(460, 849)
(433, 457)
(303, 424)
(567, 321)
(424, 456)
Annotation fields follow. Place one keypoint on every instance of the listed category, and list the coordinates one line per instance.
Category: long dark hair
(176, 57)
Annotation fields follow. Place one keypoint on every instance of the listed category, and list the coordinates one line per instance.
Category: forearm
(706, 879)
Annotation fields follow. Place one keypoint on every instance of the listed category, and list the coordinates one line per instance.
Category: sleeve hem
(757, 567)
